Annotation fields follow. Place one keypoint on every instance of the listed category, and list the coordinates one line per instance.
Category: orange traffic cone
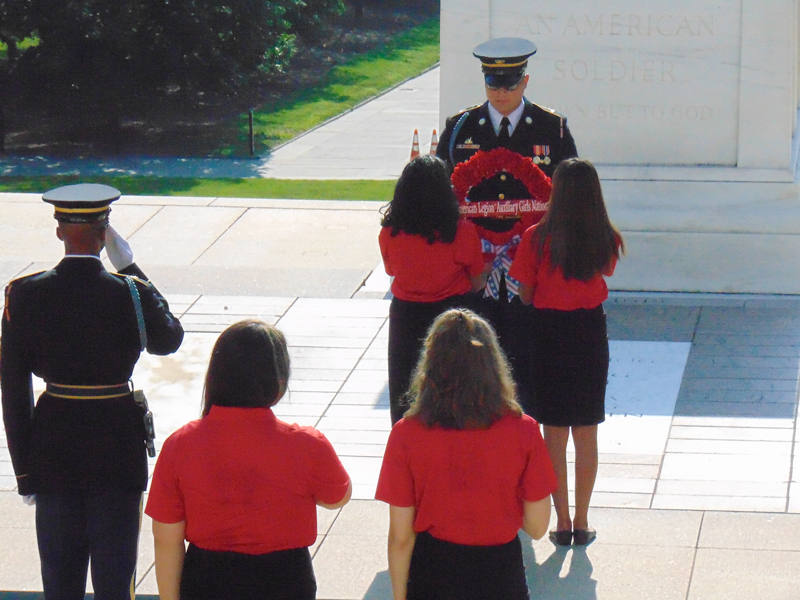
(414, 146)
(434, 143)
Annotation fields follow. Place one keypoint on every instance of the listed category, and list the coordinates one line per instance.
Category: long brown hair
(462, 380)
(249, 367)
(582, 239)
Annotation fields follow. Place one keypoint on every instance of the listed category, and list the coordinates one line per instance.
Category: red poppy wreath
(484, 165)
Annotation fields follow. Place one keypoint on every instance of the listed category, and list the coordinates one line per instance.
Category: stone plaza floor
(696, 494)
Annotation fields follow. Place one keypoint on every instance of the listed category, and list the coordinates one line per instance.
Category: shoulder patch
(16, 282)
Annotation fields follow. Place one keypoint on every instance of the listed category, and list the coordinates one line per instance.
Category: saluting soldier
(506, 120)
(79, 453)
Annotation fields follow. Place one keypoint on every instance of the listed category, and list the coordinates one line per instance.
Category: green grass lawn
(347, 85)
(310, 189)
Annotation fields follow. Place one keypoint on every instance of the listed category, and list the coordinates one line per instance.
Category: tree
(307, 17)
(16, 23)
(201, 43)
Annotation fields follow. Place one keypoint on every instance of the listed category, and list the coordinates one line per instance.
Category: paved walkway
(372, 141)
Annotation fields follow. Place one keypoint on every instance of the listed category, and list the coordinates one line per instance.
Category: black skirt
(408, 327)
(569, 366)
(280, 575)
(443, 571)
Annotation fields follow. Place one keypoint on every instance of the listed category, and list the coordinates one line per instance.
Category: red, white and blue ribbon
(500, 267)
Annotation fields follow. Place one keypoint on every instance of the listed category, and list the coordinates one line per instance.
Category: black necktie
(504, 136)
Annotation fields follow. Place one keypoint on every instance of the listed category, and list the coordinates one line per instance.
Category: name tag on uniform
(468, 146)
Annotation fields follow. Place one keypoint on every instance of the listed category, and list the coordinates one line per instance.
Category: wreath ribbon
(500, 266)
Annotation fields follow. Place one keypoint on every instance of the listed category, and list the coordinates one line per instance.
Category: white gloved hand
(30, 499)
(118, 250)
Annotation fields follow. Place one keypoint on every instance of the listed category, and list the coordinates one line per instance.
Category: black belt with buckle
(88, 392)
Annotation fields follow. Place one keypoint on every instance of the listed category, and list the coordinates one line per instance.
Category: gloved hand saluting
(118, 250)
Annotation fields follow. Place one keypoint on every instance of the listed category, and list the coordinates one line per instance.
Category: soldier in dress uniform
(508, 120)
(79, 452)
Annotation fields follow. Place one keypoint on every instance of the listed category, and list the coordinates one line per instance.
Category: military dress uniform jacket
(76, 325)
(540, 132)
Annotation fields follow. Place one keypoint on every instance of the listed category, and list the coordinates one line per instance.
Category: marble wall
(685, 89)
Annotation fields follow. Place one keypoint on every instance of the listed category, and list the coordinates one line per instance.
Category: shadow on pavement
(380, 588)
(545, 581)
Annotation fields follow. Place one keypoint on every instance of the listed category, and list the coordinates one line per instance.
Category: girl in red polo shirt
(561, 263)
(463, 471)
(240, 485)
(435, 258)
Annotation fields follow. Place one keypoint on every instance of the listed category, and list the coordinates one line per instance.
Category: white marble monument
(697, 90)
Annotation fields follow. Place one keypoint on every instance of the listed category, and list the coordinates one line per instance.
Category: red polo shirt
(467, 485)
(426, 272)
(551, 289)
(245, 481)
